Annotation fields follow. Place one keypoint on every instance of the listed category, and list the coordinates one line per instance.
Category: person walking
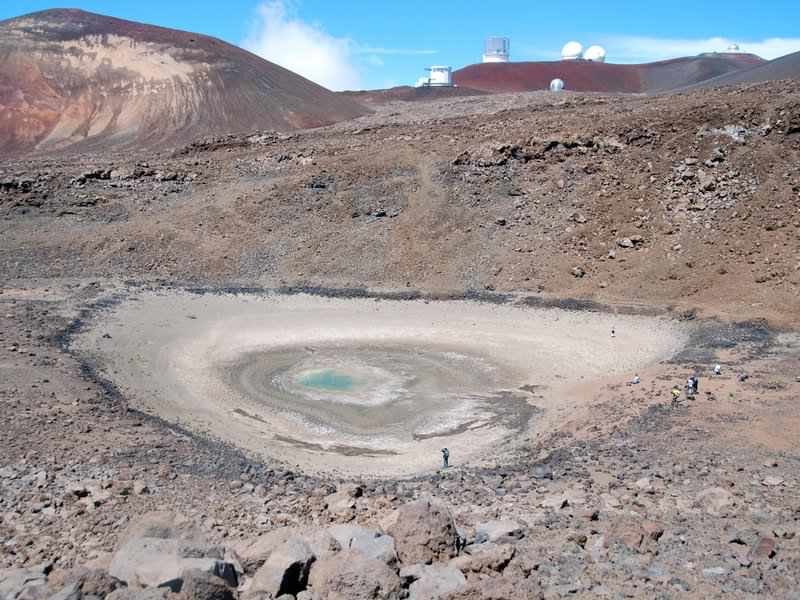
(676, 394)
(445, 458)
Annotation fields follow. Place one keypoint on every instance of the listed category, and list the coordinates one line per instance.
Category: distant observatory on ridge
(497, 50)
(438, 76)
(575, 51)
(595, 53)
(571, 51)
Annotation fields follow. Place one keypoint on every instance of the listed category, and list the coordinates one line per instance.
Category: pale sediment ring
(361, 386)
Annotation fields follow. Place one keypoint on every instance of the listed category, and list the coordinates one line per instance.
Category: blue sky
(368, 44)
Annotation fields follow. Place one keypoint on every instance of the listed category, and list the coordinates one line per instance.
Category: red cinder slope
(785, 67)
(72, 79)
(587, 76)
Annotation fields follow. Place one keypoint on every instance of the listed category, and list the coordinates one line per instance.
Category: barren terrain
(684, 209)
(591, 76)
(77, 81)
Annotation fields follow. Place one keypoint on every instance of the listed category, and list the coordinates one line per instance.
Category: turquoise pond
(327, 379)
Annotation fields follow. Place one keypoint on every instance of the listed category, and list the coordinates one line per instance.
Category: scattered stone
(765, 548)
(554, 501)
(94, 582)
(252, 553)
(351, 575)
(200, 585)
(716, 501)
(159, 593)
(153, 562)
(498, 532)
(162, 525)
(369, 542)
(343, 501)
(484, 557)
(426, 582)
(490, 155)
(542, 471)
(423, 531)
(772, 481)
(286, 570)
(713, 572)
(24, 584)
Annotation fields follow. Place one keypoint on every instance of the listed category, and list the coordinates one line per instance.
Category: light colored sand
(425, 375)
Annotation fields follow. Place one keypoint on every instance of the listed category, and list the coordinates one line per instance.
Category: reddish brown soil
(785, 67)
(71, 79)
(498, 191)
(587, 76)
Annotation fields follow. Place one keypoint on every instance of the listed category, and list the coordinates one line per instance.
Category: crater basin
(362, 386)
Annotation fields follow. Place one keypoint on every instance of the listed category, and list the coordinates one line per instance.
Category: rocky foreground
(685, 203)
(634, 498)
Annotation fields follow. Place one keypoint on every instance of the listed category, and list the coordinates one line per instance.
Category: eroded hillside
(690, 200)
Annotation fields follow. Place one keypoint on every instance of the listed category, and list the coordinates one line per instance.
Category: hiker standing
(676, 394)
(445, 458)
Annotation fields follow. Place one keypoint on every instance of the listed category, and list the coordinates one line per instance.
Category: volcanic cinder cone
(72, 79)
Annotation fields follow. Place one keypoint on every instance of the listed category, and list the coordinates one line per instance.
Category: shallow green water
(327, 379)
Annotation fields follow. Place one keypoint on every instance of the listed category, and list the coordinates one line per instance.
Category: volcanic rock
(200, 585)
(484, 557)
(146, 594)
(286, 570)
(542, 471)
(369, 542)
(427, 582)
(95, 582)
(28, 584)
(498, 531)
(153, 562)
(423, 531)
(350, 575)
(716, 501)
(254, 553)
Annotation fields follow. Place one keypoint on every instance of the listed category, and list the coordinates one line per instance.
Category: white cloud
(303, 48)
(307, 49)
(645, 49)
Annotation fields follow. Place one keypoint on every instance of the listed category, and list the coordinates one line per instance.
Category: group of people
(692, 387)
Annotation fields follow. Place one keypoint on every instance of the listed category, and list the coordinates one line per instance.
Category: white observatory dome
(595, 53)
(571, 51)
(556, 85)
(733, 48)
